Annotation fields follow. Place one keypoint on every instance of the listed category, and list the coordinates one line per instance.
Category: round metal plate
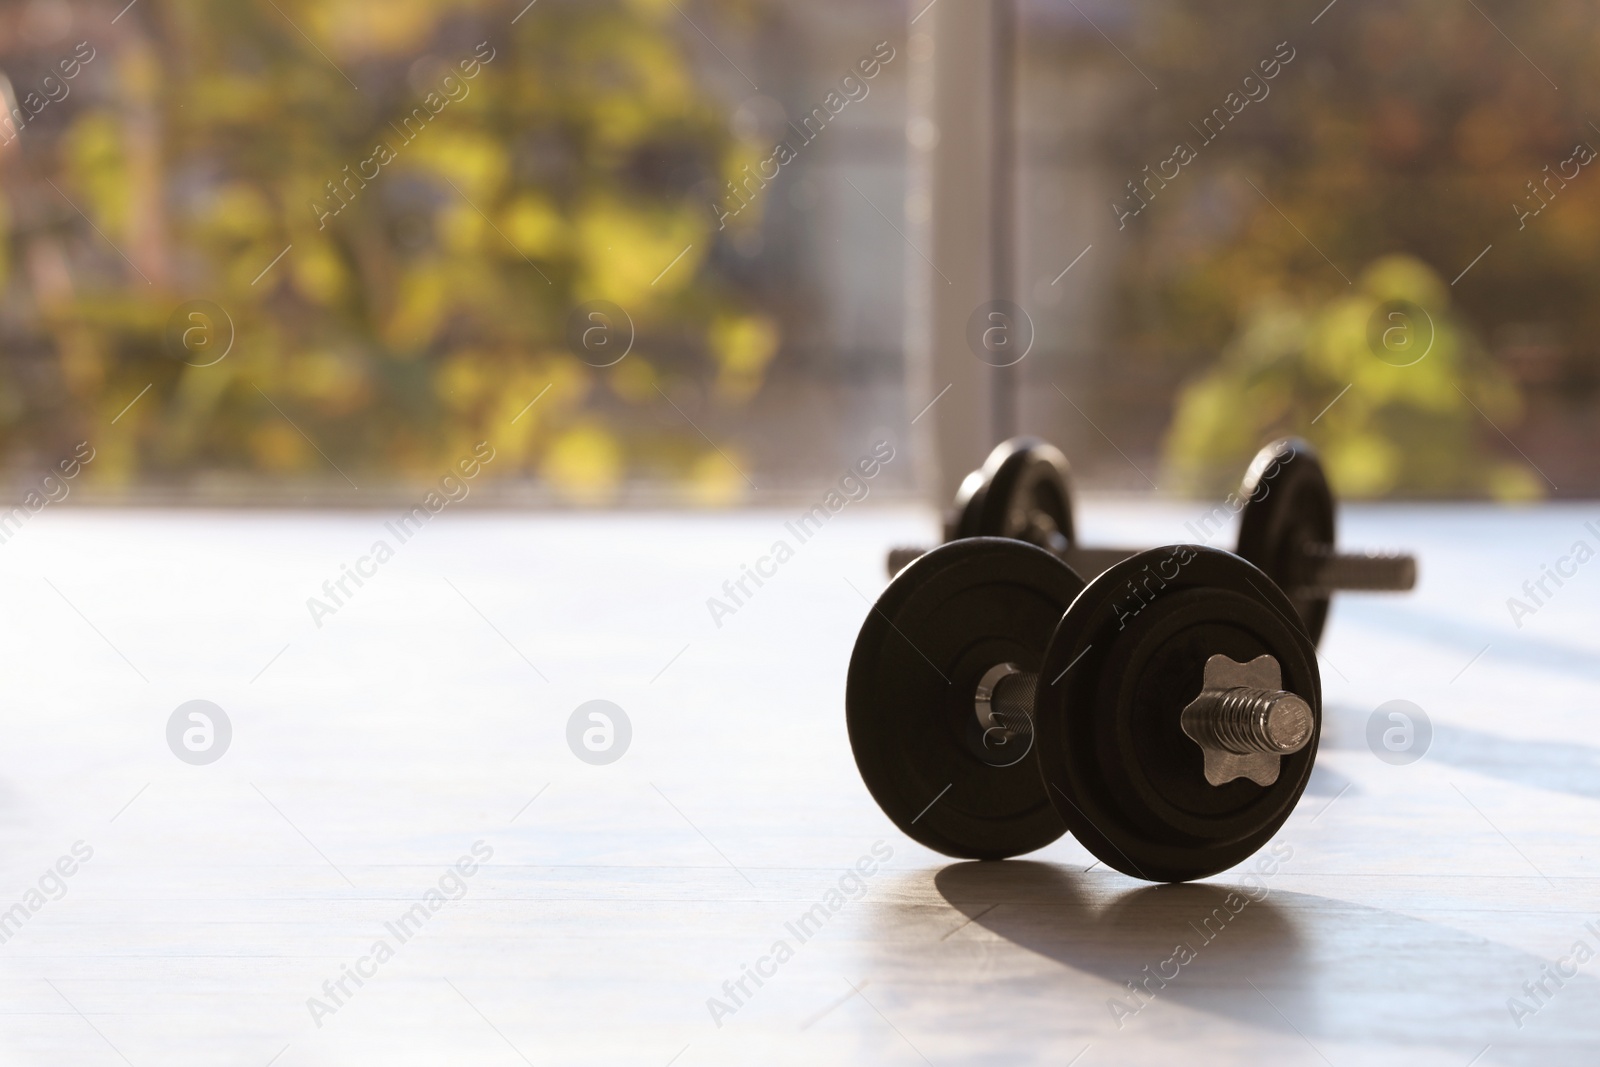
(1288, 505)
(941, 624)
(1125, 660)
(1021, 477)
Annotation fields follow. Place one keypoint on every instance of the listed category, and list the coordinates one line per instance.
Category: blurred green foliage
(1395, 396)
(1406, 130)
(428, 313)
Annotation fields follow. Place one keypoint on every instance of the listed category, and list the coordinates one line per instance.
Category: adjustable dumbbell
(1286, 527)
(1167, 713)
(1022, 491)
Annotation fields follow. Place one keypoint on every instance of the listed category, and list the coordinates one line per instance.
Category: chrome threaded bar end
(1243, 721)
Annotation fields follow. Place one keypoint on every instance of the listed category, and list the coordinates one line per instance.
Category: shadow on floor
(1461, 636)
(1327, 782)
(1561, 767)
(1302, 964)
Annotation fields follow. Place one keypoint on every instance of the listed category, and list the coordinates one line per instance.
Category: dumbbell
(1286, 527)
(1167, 713)
(1022, 491)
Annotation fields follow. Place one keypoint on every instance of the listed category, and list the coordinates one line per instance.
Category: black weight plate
(1129, 654)
(1288, 505)
(1021, 476)
(943, 622)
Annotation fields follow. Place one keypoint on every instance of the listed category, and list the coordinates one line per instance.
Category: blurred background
(285, 251)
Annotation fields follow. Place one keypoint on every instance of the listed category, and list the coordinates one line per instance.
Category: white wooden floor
(428, 715)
